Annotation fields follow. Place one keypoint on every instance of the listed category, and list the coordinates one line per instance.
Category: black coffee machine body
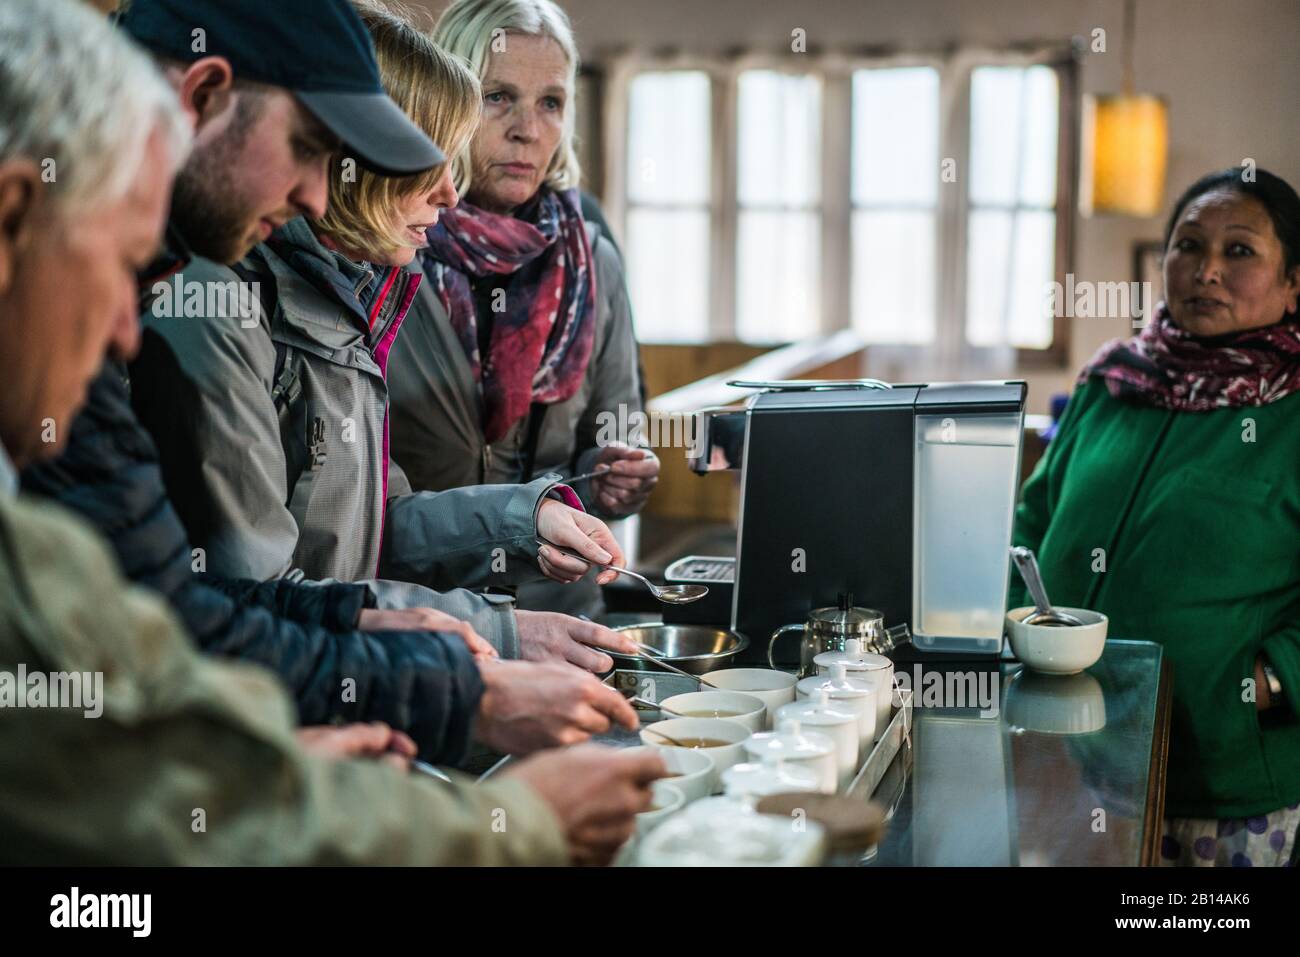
(901, 497)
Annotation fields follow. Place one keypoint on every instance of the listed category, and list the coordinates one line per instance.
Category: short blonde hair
(440, 93)
(468, 27)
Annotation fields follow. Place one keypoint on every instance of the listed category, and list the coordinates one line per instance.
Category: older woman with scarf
(1170, 500)
(518, 352)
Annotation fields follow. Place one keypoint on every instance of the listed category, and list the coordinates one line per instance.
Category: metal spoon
(668, 594)
(654, 706)
(425, 768)
(1045, 614)
(586, 475)
(494, 769)
(667, 737)
(648, 652)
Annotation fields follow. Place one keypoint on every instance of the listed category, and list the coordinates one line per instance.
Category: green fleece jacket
(1184, 528)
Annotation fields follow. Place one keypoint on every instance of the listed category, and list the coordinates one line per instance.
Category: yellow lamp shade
(1125, 151)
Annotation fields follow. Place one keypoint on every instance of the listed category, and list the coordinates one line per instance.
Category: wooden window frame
(950, 346)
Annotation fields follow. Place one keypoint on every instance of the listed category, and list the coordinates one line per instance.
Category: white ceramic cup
(1053, 650)
(793, 745)
(851, 694)
(877, 669)
(723, 729)
(773, 776)
(732, 705)
(819, 713)
(668, 800)
(692, 770)
(773, 688)
(729, 836)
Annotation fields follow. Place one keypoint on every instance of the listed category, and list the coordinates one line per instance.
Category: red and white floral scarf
(541, 343)
(1167, 367)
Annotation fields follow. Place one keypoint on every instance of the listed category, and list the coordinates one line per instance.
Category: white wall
(1230, 70)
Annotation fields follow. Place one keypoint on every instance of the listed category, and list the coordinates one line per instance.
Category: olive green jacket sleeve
(186, 760)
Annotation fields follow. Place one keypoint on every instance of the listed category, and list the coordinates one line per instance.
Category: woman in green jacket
(1170, 501)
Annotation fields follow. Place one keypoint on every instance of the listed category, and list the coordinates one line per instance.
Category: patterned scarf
(541, 343)
(1169, 368)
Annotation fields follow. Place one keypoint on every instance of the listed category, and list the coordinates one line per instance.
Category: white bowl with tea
(691, 772)
(667, 800)
(773, 688)
(733, 705)
(721, 738)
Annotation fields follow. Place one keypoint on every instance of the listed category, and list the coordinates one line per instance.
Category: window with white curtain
(668, 204)
(1012, 205)
(895, 194)
(778, 195)
(765, 205)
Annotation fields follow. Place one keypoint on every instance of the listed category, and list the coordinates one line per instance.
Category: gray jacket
(323, 516)
(437, 408)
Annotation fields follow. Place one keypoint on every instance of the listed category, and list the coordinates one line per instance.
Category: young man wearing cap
(260, 158)
(166, 757)
(441, 540)
(271, 88)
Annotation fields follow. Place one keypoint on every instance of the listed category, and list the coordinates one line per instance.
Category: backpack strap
(286, 385)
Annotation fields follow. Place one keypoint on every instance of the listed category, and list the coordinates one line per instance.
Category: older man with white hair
(90, 138)
(77, 218)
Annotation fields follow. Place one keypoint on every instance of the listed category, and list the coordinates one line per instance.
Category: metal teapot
(826, 629)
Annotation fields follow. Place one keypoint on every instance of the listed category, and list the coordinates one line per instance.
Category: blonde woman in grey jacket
(518, 355)
(287, 412)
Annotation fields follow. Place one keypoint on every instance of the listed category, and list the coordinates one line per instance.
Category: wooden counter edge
(1155, 805)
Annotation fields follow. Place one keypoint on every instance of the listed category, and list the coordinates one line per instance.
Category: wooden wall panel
(681, 494)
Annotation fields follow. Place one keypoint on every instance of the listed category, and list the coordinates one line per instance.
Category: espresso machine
(899, 498)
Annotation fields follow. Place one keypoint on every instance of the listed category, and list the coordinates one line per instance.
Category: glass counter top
(1063, 771)
(1037, 770)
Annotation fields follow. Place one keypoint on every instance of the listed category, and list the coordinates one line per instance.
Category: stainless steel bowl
(697, 649)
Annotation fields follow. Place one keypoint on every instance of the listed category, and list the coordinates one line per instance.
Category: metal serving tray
(658, 686)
